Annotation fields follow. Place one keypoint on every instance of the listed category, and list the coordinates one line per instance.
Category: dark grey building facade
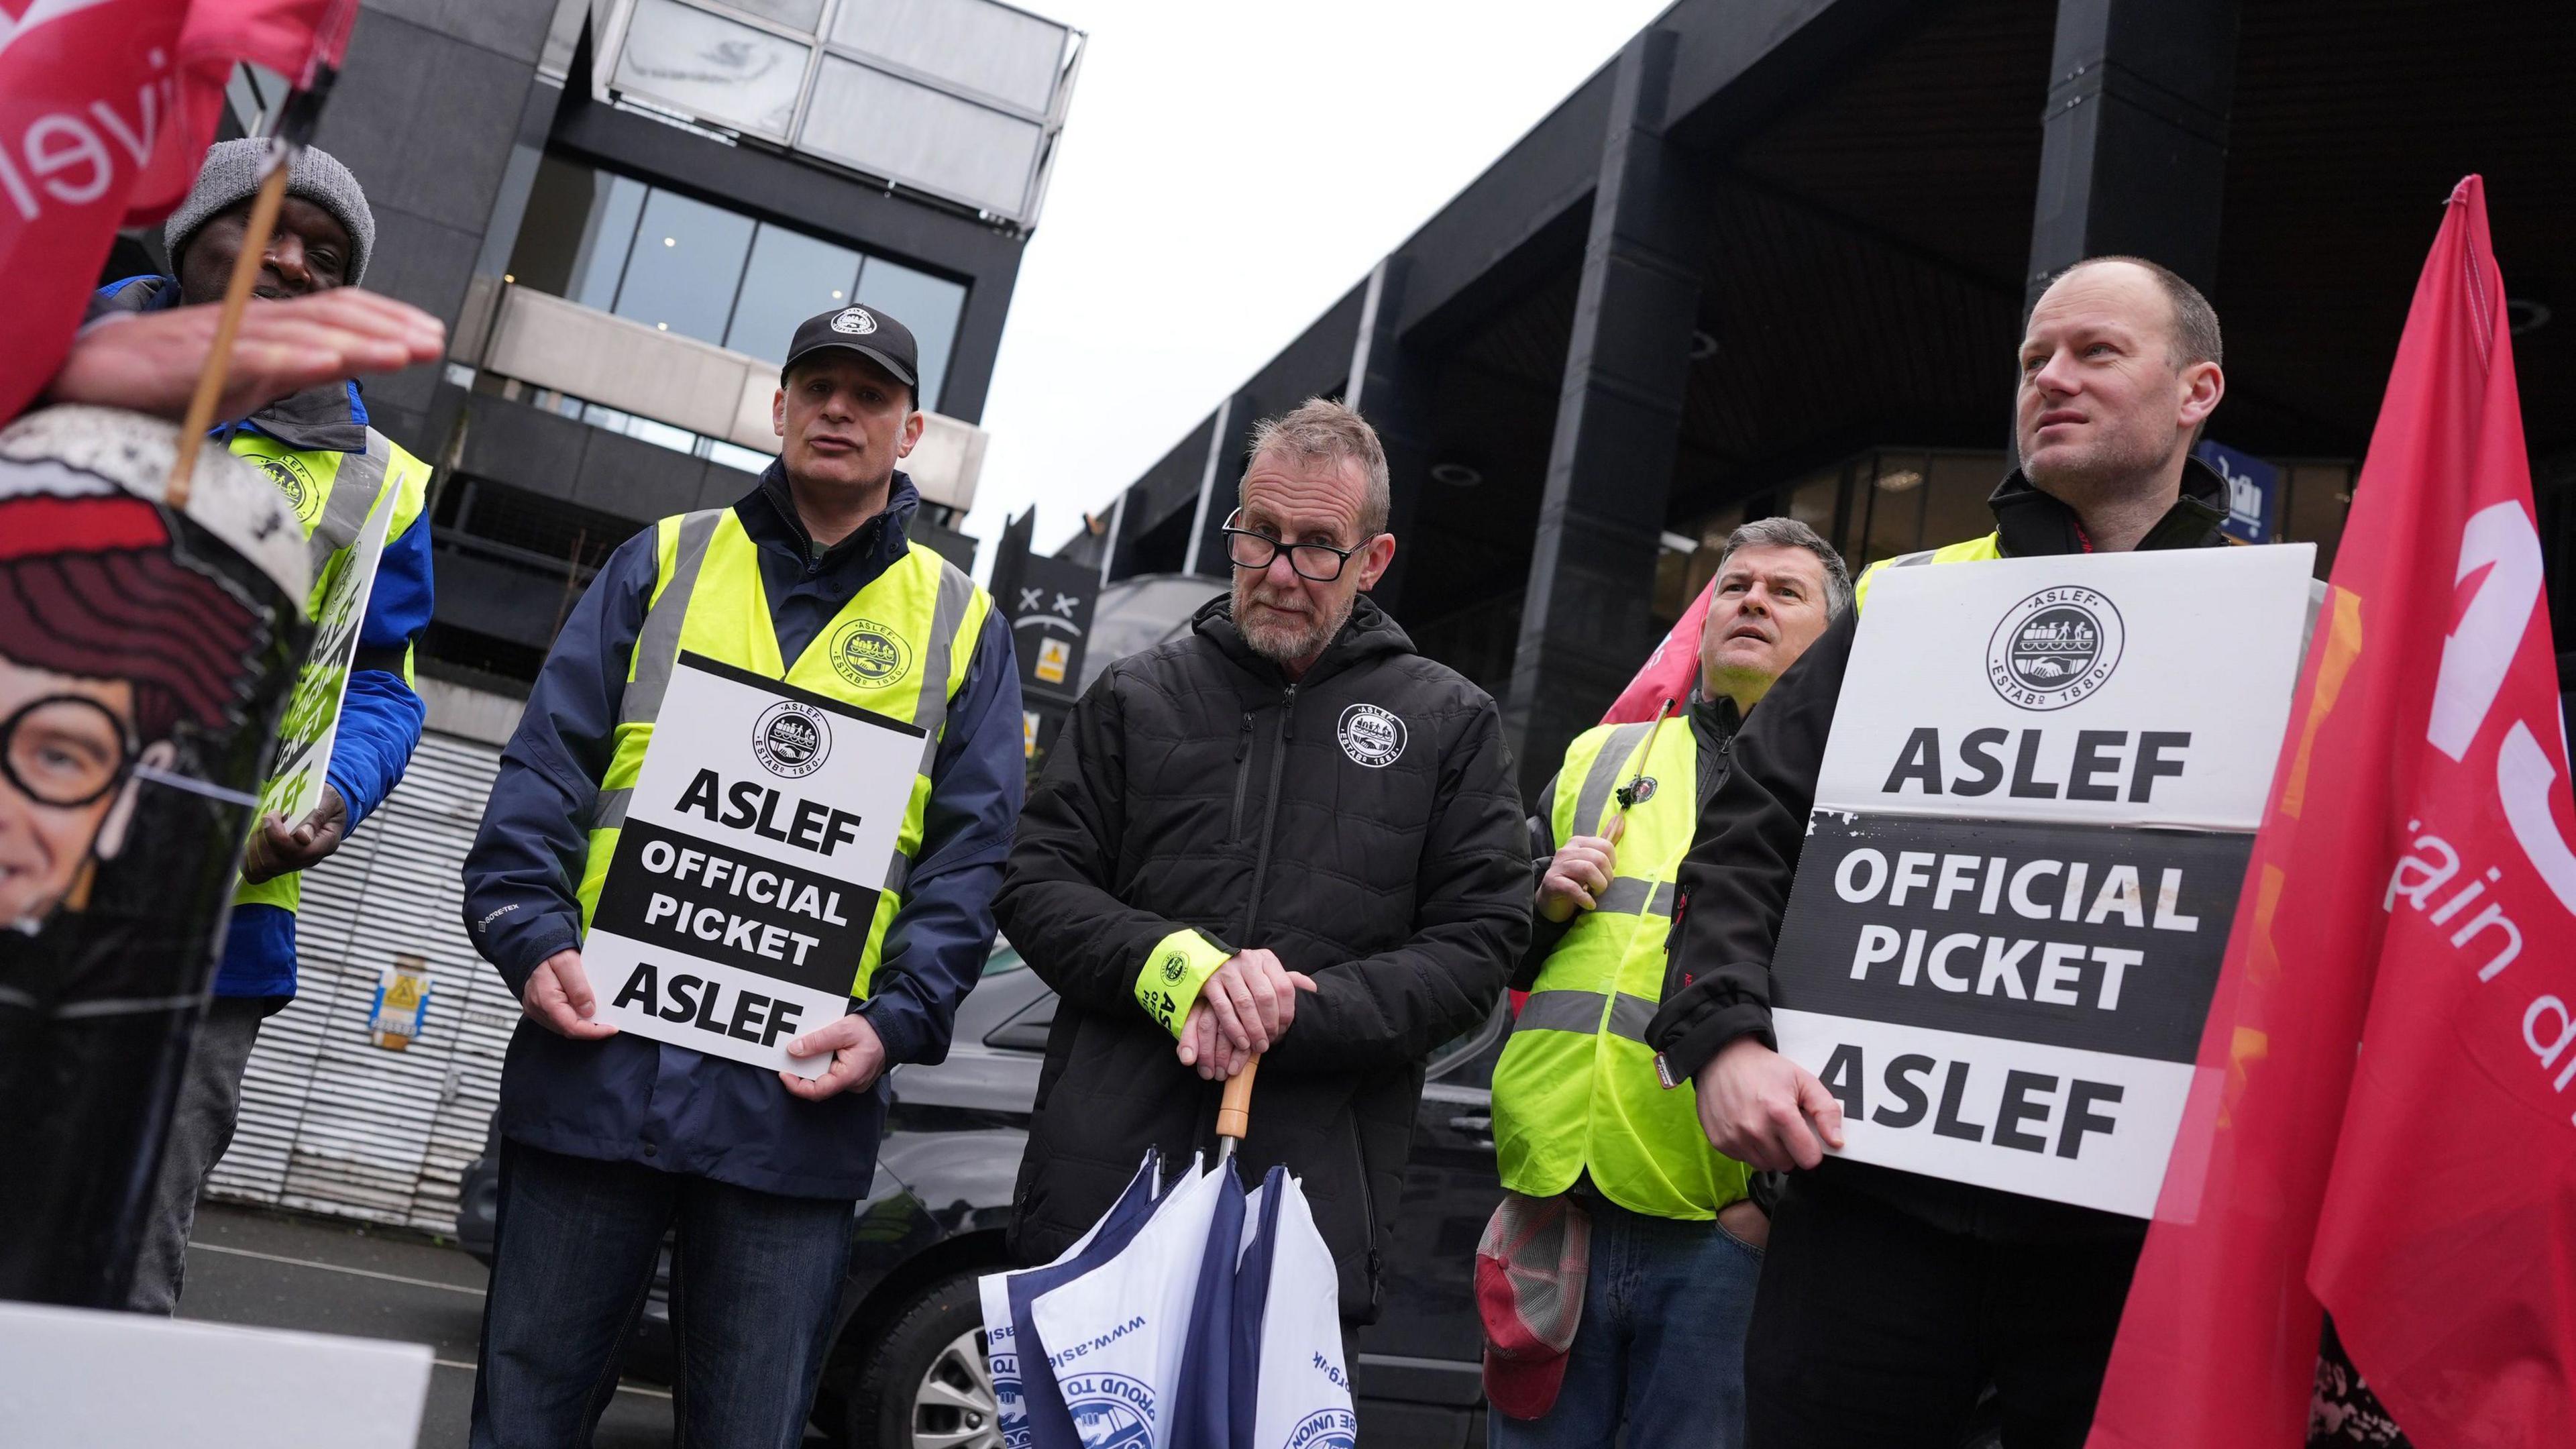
(1775, 257)
(622, 208)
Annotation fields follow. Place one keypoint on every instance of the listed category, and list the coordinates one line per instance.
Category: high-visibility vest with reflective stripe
(1576, 1089)
(332, 493)
(900, 647)
(1990, 546)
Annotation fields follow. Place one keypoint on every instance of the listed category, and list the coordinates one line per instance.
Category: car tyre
(928, 1385)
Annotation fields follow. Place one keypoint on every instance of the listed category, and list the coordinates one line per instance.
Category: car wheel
(928, 1386)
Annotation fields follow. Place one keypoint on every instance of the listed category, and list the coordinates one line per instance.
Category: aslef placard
(761, 831)
(310, 728)
(2031, 826)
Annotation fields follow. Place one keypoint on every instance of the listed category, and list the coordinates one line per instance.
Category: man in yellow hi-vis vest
(1676, 1238)
(807, 589)
(332, 467)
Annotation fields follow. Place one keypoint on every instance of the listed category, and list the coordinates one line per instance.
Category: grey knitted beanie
(231, 175)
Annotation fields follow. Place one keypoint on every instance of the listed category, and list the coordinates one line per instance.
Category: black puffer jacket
(1194, 787)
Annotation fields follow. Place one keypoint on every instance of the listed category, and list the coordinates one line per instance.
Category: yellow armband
(1175, 969)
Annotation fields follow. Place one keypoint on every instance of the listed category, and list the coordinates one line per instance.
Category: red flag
(1669, 672)
(2412, 871)
(2443, 1249)
(106, 110)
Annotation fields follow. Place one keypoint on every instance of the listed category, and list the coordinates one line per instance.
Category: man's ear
(778, 411)
(2202, 387)
(158, 755)
(913, 422)
(1375, 555)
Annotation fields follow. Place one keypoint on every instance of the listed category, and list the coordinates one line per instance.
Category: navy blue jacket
(380, 716)
(627, 1099)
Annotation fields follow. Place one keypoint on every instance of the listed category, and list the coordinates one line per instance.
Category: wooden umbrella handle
(1234, 1111)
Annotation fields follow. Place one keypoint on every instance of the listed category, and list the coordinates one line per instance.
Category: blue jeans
(755, 1283)
(1658, 1359)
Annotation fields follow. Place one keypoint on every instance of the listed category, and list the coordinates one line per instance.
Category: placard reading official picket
(2031, 826)
(762, 829)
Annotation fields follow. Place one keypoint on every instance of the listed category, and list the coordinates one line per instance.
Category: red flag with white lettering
(2412, 895)
(1669, 673)
(106, 110)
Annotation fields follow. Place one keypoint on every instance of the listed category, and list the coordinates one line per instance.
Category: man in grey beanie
(335, 469)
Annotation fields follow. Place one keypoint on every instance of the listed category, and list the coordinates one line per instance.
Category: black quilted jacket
(1361, 823)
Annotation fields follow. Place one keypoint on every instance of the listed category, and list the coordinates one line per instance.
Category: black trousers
(1873, 1329)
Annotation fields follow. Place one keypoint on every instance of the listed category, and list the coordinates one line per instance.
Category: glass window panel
(606, 237)
(792, 277)
(928, 305)
(1955, 494)
(1895, 507)
(712, 68)
(749, 460)
(688, 257)
(999, 51)
(894, 128)
(1812, 503)
(794, 14)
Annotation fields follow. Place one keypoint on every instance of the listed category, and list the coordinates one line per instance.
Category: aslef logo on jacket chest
(1371, 736)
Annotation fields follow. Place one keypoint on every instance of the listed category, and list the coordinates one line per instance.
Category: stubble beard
(2110, 470)
(1283, 643)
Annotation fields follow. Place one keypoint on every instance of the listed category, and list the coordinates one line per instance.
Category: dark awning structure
(1775, 256)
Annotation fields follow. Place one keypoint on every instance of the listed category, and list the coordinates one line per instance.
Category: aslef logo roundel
(856, 321)
(791, 739)
(2055, 647)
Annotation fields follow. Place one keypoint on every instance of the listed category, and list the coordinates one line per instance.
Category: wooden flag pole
(210, 379)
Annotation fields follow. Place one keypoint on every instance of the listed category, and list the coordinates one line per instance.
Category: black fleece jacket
(1734, 884)
(1195, 787)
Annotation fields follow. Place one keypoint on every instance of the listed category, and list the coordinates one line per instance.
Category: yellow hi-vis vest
(332, 492)
(1576, 1090)
(1990, 546)
(900, 648)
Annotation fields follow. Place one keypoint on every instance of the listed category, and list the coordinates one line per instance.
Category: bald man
(1888, 1300)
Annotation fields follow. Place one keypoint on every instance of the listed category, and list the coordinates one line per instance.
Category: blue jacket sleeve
(936, 944)
(523, 875)
(380, 717)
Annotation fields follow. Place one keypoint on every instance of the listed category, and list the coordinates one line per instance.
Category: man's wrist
(1174, 971)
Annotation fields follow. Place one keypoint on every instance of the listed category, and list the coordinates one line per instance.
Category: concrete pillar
(1585, 620)
(2133, 151)
(1390, 385)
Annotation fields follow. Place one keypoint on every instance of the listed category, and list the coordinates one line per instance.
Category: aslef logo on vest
(291, 477)
(855, 321)
(791, 739)
(1371, 736)
(2055, 647)
(870, 655)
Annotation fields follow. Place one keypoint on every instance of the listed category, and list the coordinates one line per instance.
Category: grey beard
(1287, 646)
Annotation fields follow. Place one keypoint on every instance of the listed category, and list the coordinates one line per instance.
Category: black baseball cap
(865, 331)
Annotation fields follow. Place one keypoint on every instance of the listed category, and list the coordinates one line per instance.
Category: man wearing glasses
(1283, 835)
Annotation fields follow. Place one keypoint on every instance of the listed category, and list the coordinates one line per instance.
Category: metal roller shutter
(331, 1122)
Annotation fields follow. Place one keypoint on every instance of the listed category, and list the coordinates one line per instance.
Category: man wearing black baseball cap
(609, 1139)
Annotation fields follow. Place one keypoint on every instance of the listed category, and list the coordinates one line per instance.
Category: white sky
(1228, 170)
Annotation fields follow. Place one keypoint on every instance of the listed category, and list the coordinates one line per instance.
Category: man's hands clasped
(558, 997)
(1765, 1110)
(1245, 1007)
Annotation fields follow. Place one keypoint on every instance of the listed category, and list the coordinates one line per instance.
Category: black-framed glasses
(65, 750)
(1321, 562)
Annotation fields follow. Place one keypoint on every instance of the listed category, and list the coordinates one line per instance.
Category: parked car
(908, 1371)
